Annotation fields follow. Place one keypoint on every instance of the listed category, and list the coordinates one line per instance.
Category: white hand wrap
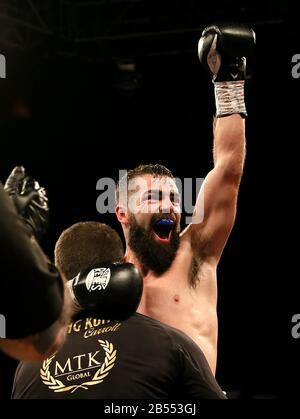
(229, 96)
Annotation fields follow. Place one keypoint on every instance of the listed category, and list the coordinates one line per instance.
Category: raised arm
(223, 51)
(221, 186)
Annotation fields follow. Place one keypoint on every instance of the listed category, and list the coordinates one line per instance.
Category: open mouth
(163, 228)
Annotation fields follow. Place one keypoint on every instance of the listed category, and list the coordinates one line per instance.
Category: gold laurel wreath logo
(58, 386)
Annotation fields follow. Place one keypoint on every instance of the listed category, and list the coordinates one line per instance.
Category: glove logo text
(97, 279)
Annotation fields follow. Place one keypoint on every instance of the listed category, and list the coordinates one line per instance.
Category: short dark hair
(85, 244)
(156, 170)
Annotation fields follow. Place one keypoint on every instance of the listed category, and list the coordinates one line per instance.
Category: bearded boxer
(131, 356)
(179, 269)
(32, 299)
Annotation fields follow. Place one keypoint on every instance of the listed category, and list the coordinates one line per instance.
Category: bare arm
(223, 51)
(220, 189)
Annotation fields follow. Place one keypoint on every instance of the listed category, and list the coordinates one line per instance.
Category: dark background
(71, 114)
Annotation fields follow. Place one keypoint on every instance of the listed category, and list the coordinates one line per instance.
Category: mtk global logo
(80, 371)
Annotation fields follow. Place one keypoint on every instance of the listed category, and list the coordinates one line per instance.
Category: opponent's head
(86, 244)
(89, 255)
(148, 207)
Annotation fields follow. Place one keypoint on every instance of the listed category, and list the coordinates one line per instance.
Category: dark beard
(153, 256)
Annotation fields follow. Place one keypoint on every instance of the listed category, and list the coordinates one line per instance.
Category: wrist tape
(229, 97)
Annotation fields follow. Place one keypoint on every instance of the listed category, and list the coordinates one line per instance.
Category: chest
(165, 298)
(173, 297)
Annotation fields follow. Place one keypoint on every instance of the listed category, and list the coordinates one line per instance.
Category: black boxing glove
(112, 290)
(30, 200)
(223, 51)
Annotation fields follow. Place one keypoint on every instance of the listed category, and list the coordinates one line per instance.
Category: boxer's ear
(122, 214)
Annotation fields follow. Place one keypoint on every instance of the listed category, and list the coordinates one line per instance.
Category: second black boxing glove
(113, 291)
